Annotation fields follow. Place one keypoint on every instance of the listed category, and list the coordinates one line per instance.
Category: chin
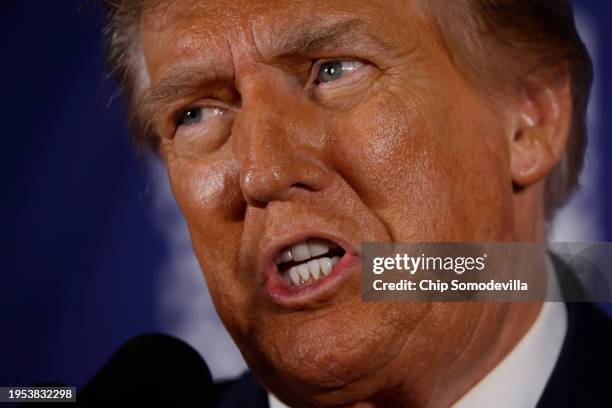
(320, 355)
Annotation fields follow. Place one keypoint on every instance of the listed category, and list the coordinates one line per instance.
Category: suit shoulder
(580, 377)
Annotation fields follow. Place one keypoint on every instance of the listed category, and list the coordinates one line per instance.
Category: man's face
(287, 121)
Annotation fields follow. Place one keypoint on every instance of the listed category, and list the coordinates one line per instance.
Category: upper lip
(271, 251)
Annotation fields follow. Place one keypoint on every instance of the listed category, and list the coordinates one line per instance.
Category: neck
(501, 327)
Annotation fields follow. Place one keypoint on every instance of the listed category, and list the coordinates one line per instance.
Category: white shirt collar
(520, 378)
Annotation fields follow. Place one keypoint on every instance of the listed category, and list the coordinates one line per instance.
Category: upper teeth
(314, 268)
(305, 250)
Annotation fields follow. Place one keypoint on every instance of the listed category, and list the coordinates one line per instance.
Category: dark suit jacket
(583, 374)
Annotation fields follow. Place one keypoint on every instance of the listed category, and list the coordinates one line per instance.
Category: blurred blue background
(94, 249)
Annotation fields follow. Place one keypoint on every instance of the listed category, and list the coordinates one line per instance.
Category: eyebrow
(305, 39)
(177, 83)
(309, 39)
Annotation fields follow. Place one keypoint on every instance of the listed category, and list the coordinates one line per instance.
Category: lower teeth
(310, 271)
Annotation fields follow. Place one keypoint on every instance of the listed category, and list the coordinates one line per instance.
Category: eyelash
(316, 70)
(314, 79)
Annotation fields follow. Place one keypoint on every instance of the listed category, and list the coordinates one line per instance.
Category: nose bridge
(267, 101)
(271, 155)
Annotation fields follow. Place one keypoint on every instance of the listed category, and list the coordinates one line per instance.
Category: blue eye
(330, 71)
(190, 116)
(198, 114)
(334, 70)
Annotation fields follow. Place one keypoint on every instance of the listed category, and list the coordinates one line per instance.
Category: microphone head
(154, 368)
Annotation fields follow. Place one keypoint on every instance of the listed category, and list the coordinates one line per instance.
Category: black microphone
(153, 368)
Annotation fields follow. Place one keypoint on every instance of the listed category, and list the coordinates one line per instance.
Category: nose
(278, 141)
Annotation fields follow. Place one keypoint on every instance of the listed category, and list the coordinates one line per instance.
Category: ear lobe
(541, 131)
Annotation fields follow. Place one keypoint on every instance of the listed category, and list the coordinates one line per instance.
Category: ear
(541, 130)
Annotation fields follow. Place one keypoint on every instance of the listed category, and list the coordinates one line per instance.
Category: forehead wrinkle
(296, 39)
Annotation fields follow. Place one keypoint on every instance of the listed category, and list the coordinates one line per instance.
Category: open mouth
(308, 261)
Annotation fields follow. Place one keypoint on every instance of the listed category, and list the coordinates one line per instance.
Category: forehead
(228, 14)
(194, 29)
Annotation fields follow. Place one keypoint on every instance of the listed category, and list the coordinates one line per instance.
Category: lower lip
(287, 295)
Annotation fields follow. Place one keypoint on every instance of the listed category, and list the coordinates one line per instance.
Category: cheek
(209, 197)
(429, 171)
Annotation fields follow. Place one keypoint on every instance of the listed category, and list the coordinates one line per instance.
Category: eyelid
(342, 81)
(202, 104)
(205, 124)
